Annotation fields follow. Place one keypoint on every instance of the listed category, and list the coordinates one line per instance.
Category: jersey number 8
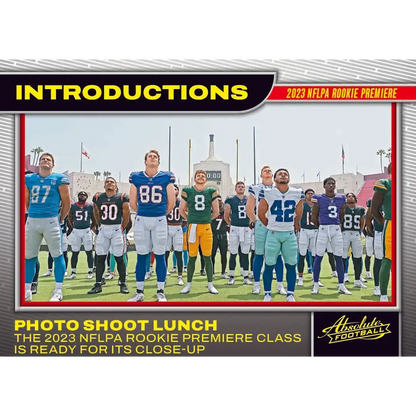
(150, 194)
(284, 214)
(199, 202)
(242, 212)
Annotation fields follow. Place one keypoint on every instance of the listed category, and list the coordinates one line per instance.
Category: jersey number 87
(36, 192)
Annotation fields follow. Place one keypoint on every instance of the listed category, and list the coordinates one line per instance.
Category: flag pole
(236, 178)
(189, 164)
(254, 154)
(169, 146)
(81, 157)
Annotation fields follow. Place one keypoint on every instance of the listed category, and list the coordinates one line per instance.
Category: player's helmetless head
(266, 172)
(46, 161)
(176, 189)
(200, 177)
(152, 158)
(82, 196)
(309, 193)
(110, 184)
(329, 185)
(281, 176)
(351, 198)
(240, 188)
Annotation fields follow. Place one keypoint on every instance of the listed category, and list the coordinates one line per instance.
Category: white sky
(301, 137)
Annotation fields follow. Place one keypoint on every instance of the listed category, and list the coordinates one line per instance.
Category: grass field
(76, 290)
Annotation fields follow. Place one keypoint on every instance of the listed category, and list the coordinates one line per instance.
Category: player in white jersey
(260, 231)
(280, 210)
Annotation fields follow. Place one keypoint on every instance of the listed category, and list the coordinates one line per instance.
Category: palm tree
(388, 154)
(106, 174)
(36, 153)
(380, 153)
(97, 174)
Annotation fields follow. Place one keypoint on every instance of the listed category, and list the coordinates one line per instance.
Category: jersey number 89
(150, 194)
(285, 213)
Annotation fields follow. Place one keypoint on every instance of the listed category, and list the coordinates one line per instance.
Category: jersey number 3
(283, 213)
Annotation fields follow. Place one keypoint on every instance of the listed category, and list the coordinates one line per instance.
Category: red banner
(343, 93)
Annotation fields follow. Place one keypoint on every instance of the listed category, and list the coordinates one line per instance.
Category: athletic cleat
(90, 275)
(213, 277)
(185, 290)
(342, 289)
(251, 275)
(290, 298)
(363, 279)
(103, 282)
(66, 274)
(230, 281)
(34, 288)
(147, 276)
(96, 289)
(160, 296)
(48, 273)
(167, 273)
(310, 270)
(281, 290)
(57, 296)
(359, 283)
(174, 270)
(256, 288)
(320, 284)
(267, 297)
(211, 289)
(203, 273)
(110, 276)
(368, 275)
(247, 281)
(346, 278)
(137, 297)
(28, 296)
(384, 298)
(377, 291)
(94, 269)
(123, 289)
(315, 289)
(184, 269)
(334, 274)
(180, 281)
(224, 276)
(300, 281)
(72, 276)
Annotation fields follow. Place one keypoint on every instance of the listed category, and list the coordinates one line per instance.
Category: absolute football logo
(374, 334)
(345, 330)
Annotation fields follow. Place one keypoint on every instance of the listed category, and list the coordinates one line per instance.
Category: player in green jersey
(382, 201)
(199, 205)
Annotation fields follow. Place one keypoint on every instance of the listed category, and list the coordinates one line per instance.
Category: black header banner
(127, 92)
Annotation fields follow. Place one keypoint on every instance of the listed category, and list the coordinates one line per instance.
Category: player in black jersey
(112, 213)
(220, 241)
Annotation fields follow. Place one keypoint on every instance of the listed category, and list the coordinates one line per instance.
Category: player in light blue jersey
(44, 193)
(260, 232)
(152, 196)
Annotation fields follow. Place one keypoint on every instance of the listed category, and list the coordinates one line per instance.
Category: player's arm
(315, 215)
(129, 225)
(65, 199)
(362, 222)
(368, 222)
(27, 198)
(215, 209)
(170, 190)
(263, 208)
(133, 197)
(227, 213)
(376, 204)
(183, 209)
(126, 214)
(93, 220)
(69, 227)
(341, 214)
(251, 203)
(298, 214)
(97, 215)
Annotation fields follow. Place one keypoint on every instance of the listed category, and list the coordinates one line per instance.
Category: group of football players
(280, 223)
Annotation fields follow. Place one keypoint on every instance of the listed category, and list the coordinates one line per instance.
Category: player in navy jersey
(152, 196)
(44, 194)
(240, 233)
(175, 235)
(260, 232)
(112, 214)
(327, 215)
(82, 220)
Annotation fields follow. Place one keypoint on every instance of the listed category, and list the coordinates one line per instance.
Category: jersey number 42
(283, 211)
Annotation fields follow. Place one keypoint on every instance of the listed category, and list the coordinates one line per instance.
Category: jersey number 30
(284, 212)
